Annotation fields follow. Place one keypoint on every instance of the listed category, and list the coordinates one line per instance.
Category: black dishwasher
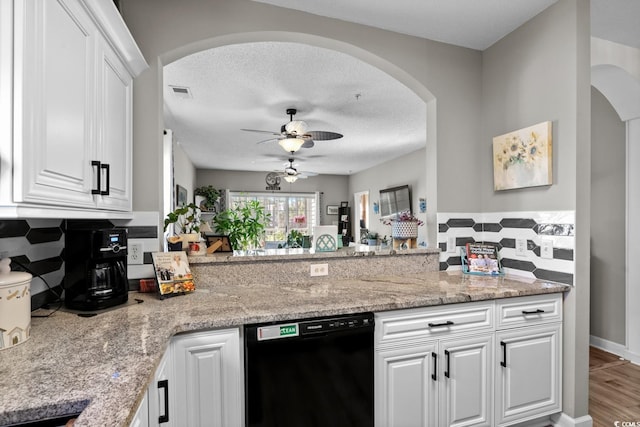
(311, 372)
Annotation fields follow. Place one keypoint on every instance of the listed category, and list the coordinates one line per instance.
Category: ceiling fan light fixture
(291, 144)
(291, 178)
(297, 127)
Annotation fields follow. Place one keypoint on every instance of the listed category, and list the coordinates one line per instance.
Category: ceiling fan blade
(266, 140)
(308, 144)
(320, 135)
(261, 131)
(307, 174)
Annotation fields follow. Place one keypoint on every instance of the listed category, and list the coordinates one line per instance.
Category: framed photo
(223, 246)
(181, 196)
(523, 158)
(344, 204)
(332, 209)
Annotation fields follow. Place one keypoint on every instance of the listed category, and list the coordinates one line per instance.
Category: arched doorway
(361, 54)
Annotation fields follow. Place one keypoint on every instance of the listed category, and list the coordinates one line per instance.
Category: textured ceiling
(251, 85)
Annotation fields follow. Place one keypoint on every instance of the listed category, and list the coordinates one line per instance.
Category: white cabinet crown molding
(114, 29)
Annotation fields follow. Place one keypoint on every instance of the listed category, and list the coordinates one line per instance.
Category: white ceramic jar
(15, 308)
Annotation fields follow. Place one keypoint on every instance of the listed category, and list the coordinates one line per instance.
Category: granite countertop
(102, 365)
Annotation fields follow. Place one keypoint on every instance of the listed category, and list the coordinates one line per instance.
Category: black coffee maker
(95, 267)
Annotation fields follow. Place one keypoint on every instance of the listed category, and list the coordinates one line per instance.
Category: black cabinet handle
(105, 166)
(446, 354)
(96, 164)
(165, 385)
(447, 323)
(504, 354)
(434, 376)
(538, 311)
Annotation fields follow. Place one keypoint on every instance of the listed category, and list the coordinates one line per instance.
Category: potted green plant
(372, 238)
(244, 224)
(185, 221)
(384, 242)
(295, 239)
(210, 196)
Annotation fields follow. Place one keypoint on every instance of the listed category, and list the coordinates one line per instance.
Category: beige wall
(608, 210)
(184, 174)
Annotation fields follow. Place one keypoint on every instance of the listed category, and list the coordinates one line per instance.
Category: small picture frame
(332, 209)
(181, 196)
(344, 204)
(226, 244)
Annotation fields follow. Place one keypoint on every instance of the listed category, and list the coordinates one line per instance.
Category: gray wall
(539, 72)
(409, 169)
(333, 187)
(166, 31)
(608, 206)
(184, 174)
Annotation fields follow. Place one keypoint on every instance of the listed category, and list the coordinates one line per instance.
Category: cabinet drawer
(532, 310)
(433, 321)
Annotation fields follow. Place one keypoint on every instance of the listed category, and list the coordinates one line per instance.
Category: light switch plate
(521, 247)
(546, 249)
(451, 244)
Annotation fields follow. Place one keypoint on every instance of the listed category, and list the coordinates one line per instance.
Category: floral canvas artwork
(523, 158)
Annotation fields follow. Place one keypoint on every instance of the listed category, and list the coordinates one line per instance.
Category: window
(297, 211)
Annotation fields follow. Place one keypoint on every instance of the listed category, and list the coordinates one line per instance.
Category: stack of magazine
(481, 258)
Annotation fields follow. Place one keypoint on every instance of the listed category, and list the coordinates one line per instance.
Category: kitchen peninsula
(101, 366)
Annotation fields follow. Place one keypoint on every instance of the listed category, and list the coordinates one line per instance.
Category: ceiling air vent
(181, 91)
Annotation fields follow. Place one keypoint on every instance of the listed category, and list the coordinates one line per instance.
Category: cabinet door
(209, 378)
(114, 130)
(406, 385)
(141, 418)
(54, 103)
(529, 376)
(162, 394)
(466, 386)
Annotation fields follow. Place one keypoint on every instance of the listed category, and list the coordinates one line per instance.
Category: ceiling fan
(295, 134)
(291, 174)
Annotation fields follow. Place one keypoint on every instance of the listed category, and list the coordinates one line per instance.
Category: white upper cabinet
(69, 147)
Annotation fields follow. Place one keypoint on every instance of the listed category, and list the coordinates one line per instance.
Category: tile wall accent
(502, 229)
(37, 245)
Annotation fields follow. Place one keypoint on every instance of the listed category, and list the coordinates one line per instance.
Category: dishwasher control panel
(314, 326)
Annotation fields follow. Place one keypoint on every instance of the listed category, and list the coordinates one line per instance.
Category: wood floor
(614, 389)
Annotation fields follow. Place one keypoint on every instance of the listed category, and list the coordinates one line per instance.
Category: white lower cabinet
(198, 383)
(208, 371)
(446, 366)
(529, 374)
(441, 382)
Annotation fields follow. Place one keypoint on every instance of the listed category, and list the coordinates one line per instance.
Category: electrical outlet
(319, 270)
(135, 255)
(546, 249)
(451, 244)
(521, 247)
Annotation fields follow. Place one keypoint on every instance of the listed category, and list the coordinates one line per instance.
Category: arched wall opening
(318, 41)
(622, 90)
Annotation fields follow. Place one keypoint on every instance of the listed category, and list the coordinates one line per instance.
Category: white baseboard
(615, 348)
(564, 420)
